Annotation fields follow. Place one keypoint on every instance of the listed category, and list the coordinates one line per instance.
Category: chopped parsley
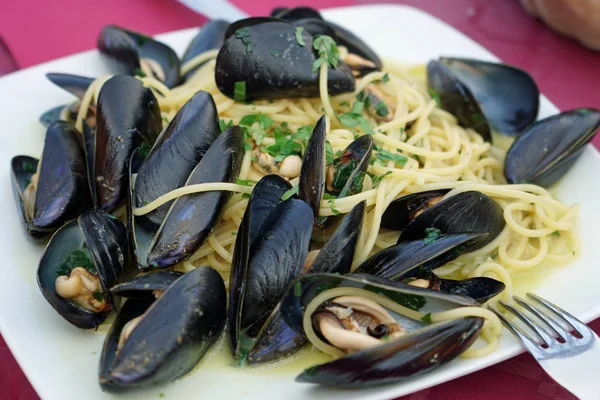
(99, 296)
(354, 118)
(234, 233)
(283, 147)
(432, 234)
(76, 258)
(275, 53)
(427, 318)
(328, 152)
(27, 181)
(327, 196)
(333, 209)
(144, 150)
(139, 72)
(161, 395)
(244, 35)
(384, 156)
(381, 109)
(224, 125)
(298, 289)
(556, 233)
(239, 91)
(386, 78)
(327, 51)
(299, 37)
(245, 182)
(378, 178)
(292, 192)
(27, 166)
(345, 103)
(434, 95)
(478, 118)
(303, 133)
(246, 196)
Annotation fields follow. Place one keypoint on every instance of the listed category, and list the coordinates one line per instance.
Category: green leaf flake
(432, 235)
(76, 258)
(139, 72)
(27, 166)
(386, 78)
(327, 51)
(99, 296)
(239, 91)
(381, 109)
(556, 233)
(299, 37)
(292, 192)
(345, 104)
(434, 95)
(245, 182)
(246, 196)
(327, 196)
(427, 318)
(244, 35)
(377, 179)
(298, 289)
(384, 156)
(275, 53)
(328, 152)
(144, 149)
(333, 209)
(224, 125)
(478, 118)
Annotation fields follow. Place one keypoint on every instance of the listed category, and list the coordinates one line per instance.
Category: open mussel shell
(414, 354)
(403, 210)
(288, 71)
(311, 185)
(508, 96)
(481, 289)
(457, 99)
(546, 150)
(146, 286)
(176, 153)
(55, 189)
(276, 339)
(210, 37)
(192, 218)
(133, 53)
(127, 116)
(95, 241)
(467, 212)
(409, 257)
(170, 338)
(74, 84)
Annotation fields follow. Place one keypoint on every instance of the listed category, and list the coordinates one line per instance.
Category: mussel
(54, 189)
(349, 317)
(190, 219)
(211, 36)
(403, 210)
(134, 53)
(128, 115)
(546, 150)
(81, 262)
(156, 342)
(311, 185)
(466, 212)
(146, 286)
(176, 152)
(242, 73)
(75, 84)
(276, 339)
(484, 95)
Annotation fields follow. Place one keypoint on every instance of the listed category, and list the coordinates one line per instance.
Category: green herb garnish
(139, 72)
(246, 196)
(556, 233)
(298, 289)
(283, 147)
(345, 104)
(239, 91)
(384, 155)
(328, 153)
(245, 182)
(333, 209)
(386, 78)
(275, 53)
(244, 35)
(292, 192)
(434, 95)
(224, 125)
(144, 149)
(299, 37)
(427, 318)
(76, 258)
(99, 296)
(478, 118)
(303, 133)
(27, 166)
(432, 234)
(327, 51)
(381, 109)
(378, 178)
(354, 118)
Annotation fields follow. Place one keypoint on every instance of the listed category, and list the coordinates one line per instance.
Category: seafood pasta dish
(281, 186)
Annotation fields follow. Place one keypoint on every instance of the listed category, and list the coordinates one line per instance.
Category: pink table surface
(38, 30)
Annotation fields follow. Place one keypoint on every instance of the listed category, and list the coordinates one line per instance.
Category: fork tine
(526, 339)
(529, 322)
(576, 324)
(556, 328)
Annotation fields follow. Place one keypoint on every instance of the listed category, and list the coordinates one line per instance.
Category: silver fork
(564, 346)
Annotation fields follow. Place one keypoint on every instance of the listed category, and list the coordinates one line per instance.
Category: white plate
(61, 361)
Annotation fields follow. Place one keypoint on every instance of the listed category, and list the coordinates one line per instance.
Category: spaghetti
(439, 154)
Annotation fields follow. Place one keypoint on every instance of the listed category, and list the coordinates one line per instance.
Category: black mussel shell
(211, 36)
(275, 259)
(54, 114)
(266, 195)
(296, 13)
(398, 360)
(142, 286)
(456, 98)
(127, 116)
(406, 208)
(296, 298)
(126, 49)
(352, 166)
(311, 185)
(315, 27)
(62, 190)
(467, 212)
(546, 150)
(508, 96)
(480, 289)
(276, 339)
(171, 337)
(192, 218)
(75, 84)
(265, 60)
(100, 239)
(176, 153)
(409, 257)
